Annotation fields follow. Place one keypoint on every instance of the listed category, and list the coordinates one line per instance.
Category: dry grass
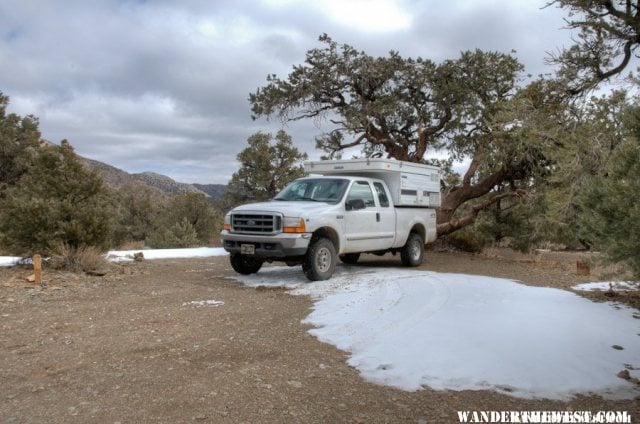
(82, 259)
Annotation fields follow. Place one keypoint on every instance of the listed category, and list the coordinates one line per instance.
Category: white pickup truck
(342, 209)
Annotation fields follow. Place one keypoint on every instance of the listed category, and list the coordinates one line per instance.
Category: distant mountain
(116, 177)
(164, 183)
(214, 190)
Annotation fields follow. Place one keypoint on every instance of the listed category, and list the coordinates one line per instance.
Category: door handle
(377, 216)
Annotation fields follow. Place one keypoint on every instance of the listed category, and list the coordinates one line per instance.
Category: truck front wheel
(244, 264)
(320, 261)
(412, 253)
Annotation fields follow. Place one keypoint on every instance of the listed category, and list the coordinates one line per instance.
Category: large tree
(608, 37)
(471, 107)
(267, 164)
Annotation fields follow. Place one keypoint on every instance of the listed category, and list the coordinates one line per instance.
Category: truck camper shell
(411, 184)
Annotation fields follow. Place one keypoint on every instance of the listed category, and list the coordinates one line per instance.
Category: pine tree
(266, 166)
(57, 202)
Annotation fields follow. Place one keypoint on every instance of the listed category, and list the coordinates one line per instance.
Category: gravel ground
(130, 347)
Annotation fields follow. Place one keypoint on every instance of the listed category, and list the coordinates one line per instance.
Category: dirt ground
(128, 347)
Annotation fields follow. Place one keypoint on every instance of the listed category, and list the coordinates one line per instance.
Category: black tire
(350, 258)
(412, 253)
(320, 260)
(244, 264)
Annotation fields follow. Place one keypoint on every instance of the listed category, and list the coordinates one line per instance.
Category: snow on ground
(9, 260)
(127, 255)
(201, 303)
(411, 329)
(609, 285)
(198, 252)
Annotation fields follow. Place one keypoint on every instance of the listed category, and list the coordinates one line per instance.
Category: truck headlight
(227, 222)
(293, 225)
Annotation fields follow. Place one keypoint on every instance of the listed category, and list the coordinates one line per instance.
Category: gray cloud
(162, 86)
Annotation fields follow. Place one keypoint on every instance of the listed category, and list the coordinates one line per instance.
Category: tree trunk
(454, 197)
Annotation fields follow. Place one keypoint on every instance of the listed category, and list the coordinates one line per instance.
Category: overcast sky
(162, 85)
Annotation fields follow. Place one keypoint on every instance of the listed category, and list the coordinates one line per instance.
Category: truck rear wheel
(320, 261)
(412, 253)
(244, 264)
(350, 258)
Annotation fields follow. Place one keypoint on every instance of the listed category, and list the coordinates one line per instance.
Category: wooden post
(582, 268)
(37, 269)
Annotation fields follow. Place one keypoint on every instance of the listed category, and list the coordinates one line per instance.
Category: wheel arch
(420, 230)
(328, 233)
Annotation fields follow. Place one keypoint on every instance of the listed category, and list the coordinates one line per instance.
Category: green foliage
(57, 202)
(145, 215)
(139, 210)
(19, 138)
(184, 220)
(266, 166)
(580, 153)
(611, 207)
(201, 215)
(180, 234)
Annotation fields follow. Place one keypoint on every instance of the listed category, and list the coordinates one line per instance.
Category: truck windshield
(328, 190)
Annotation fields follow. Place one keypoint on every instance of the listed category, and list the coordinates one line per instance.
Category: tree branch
(455, 224)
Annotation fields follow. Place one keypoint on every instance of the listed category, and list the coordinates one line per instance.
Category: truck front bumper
(279, 246)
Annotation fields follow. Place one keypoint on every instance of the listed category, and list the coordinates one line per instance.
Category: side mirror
(355, 204)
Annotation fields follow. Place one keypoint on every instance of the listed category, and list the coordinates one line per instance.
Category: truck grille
(255, 223)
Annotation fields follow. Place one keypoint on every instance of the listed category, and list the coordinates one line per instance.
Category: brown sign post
(37, 269)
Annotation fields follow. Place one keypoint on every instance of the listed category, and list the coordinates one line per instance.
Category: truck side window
(362, 190)
(382, 195)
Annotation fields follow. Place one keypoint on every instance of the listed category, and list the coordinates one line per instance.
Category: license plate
(248, 249)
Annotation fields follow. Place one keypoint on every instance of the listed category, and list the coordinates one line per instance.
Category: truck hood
(286, 208)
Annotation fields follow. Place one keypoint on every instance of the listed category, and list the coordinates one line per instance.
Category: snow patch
(609, 285)
(411, 329)
(199, 252)
(9, 260)
(128, 255)
(201, 303)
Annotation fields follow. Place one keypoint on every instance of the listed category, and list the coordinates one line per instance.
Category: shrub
(80, 259)
(181, 234)
(468, 239)
(57, 201)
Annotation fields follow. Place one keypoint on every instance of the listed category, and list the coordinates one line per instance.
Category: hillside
(214, 190)
(116, 177)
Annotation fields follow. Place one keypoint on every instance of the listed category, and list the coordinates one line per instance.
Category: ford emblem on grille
(251, 222)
